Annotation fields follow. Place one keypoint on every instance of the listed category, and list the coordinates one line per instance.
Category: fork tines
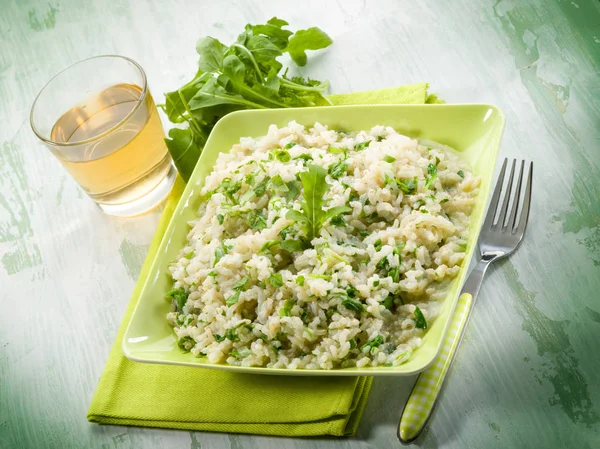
(498, 219)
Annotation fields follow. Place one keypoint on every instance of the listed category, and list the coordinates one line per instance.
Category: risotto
(320, 249)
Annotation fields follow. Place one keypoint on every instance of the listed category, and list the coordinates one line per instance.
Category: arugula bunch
(244, 75)
(313, 216)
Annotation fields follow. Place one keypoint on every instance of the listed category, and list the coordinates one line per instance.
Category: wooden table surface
(528, 373)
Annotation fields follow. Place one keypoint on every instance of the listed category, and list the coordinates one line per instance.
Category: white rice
(397, 251)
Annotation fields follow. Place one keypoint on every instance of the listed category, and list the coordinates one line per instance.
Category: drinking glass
(98, 118)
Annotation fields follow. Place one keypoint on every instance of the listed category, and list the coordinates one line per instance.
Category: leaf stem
(251, 56)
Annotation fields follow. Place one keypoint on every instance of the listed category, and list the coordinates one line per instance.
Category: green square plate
(473, 129)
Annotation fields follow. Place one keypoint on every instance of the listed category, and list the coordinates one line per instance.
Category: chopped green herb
(189, 255)
(388, 302)
(383, 263)
(231, 334)
(259, 190)
(212, 274)
(290, 145)
(389, 159)
(233, 299)
(460, 173)
(330, 311)
(249, 178)
(179, 297)
(462, 246)
(338, 221)
(376, 283)
(219, 253)
(377, 245)
(394, 273)
(246, 197)
(241, 284)
(268, 245)
(292, 245)
(361, 146)
(445, 200)
(351, 291)
(282, 155)
(353, 304)
(241, 354)
(285, 231)
(425, 211)
(319, 276)
(300, 280)
(432, 174)
(305, 157)
(437, 161)
(380, 138)
(229, 188)
(363, 233)
(186, 343)
(431, 197)
(334, 150)
(220, 218)
(256, 221)
(374, 343)
(286, 310)
(352, 343)
(420, 322)
(337, 170)
(218, 338)
(276, 280)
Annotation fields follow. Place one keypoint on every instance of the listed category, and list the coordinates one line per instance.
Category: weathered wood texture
(528, 375)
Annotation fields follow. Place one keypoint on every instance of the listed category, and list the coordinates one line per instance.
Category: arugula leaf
(312, 217)
(243, 75)
(185, 147)
(310, 39)
(420, 321)
(211, 53)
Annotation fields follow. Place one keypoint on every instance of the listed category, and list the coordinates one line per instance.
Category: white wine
(116, 146)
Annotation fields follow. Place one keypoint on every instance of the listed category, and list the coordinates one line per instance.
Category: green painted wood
(528, 373)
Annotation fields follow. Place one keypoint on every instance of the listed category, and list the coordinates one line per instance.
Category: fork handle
(427, 388)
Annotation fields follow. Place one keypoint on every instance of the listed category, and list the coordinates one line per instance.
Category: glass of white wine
(98, 118)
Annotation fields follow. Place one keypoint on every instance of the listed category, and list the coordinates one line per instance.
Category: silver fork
(501, 234)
